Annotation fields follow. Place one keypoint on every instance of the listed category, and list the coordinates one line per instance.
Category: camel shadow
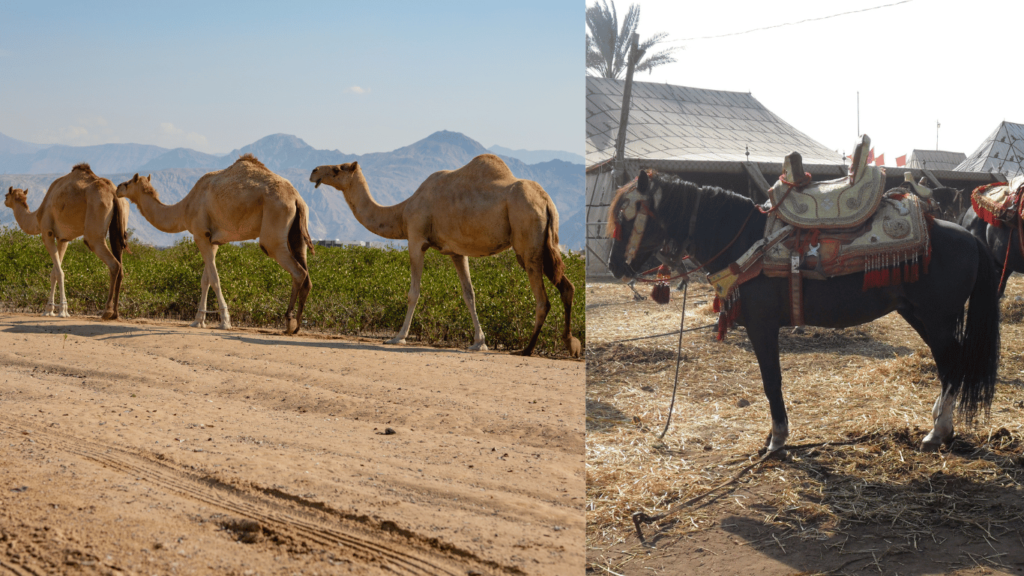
(85, 330)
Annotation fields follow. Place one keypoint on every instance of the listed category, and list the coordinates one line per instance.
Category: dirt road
(144, 447)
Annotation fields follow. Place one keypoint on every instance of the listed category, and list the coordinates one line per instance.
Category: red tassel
(927, 259)
(914, 273)
(660, 293)
(885, 280)
(717, 304)
(897, 278)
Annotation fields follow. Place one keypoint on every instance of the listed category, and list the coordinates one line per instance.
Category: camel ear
(11, 189)
(136, 177)
(355, 165)
(336, 170)
(149, 178)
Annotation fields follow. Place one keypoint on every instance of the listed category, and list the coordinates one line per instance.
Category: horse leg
(462, 267)
(416, 252)
(764, 338)
(943, 346)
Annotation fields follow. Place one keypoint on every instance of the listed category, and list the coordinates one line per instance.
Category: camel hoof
(575, 348)
(291, 326)
(396, 341)
(64, 315)
(481, 347)
(527, 352)
(109, 316)
(225, 325)
(198, 324)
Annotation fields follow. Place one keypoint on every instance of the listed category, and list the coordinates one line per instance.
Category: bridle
(638, 210)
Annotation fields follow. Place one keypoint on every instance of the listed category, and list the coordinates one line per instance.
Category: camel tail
(298, 235)
(118, 231)
(554, 268)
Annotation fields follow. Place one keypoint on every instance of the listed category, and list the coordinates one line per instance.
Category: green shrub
(356, 290)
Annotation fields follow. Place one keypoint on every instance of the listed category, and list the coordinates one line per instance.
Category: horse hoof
(930, 446)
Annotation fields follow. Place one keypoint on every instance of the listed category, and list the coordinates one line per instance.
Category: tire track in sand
(381, 543)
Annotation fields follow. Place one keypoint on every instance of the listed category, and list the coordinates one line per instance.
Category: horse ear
(643, 183)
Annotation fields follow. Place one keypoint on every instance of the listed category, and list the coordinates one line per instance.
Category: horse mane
(715, 202)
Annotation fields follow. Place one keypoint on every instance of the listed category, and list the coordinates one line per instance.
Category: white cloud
(358, 90)
(168, 128)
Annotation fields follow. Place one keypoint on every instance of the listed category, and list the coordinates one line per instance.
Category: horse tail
(975, 370)
(118, 231)
(554, 268)
(298, 234)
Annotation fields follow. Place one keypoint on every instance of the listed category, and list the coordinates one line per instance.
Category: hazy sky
(913, 63)
(355, 76)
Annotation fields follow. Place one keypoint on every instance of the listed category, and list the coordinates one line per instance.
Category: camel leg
(210, 280)
(462, 267)
(416, 271)
(99, 248)
(301, 286)
(535, 271)
(56, 248)
(566, 289)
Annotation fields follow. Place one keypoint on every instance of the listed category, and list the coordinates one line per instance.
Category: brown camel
(242, 202)
(480, 209)
(79, 203)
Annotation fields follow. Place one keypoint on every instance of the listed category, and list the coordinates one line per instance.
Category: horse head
(633, 225)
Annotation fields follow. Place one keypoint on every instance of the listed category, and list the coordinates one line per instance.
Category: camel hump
(488, 166)
(84, 167)
(250, 159)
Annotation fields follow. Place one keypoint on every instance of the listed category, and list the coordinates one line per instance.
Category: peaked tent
(1001, 153)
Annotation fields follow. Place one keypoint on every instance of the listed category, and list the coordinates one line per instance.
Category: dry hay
(876, 382)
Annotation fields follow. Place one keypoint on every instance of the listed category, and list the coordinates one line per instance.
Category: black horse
(966, 352)
(1003, 243)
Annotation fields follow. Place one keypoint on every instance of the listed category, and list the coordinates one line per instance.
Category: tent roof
(1001, 152)
(680, 123)
(935, 159)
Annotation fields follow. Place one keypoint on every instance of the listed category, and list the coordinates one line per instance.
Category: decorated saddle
(888, 247)
(1000, 203)
(818, 231)
(842, 203)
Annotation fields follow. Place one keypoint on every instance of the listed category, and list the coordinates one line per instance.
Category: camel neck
(386, 221)
(163, 217)
(28, 221)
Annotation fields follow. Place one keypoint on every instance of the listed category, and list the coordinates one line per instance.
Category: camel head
(134, 189)
(16, 195)
(338, 175)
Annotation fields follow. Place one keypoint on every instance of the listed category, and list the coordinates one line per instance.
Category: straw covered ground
(864, 500)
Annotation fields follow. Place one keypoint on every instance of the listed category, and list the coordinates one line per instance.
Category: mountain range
(392, 176)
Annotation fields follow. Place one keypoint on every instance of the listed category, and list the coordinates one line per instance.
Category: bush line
(356, 290)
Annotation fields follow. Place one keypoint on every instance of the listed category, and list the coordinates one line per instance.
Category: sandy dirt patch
(865, 500)
(153, 448)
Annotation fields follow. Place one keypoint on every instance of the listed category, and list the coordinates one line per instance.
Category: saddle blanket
(998, 203)
(887, 247)
(832, 204)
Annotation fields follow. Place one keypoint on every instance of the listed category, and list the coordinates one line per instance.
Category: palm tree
(608, 45)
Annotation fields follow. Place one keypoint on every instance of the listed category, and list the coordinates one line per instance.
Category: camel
(480, 209)
(79, 203)
(241, 202)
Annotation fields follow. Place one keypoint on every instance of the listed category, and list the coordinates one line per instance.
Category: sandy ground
(153, 448)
